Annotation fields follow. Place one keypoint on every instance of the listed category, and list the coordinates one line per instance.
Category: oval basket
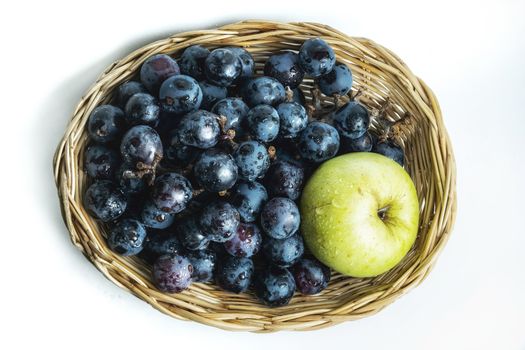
(380, 76)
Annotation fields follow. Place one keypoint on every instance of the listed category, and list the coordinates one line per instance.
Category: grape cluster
(198, 165)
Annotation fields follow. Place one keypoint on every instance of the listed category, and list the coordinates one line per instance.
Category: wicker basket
(380, 76)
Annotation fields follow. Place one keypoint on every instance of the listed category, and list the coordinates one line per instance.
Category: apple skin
(339, 211)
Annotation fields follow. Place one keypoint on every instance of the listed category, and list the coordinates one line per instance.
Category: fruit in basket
(275, 286)
(219, 220)
(285, 68)
(360, 214)
(352, 120)
(105, 201)
(141, 146)
(252, 160)
(222, 67)
(199, 129)
(127, 237)
(142, 109)
(156, 69)
(100, 161)
(180, 94)
(106, 123)
(263, 123)
(318, 142)
(337, 82)
(249, 198)
(293, 119)
(283, 252)
(280, 218)
(234, 274)
(126, 90)
(262, 90)
(211, 94)
(391, 150)
(316, 57)
(191, 62)
(311, 277)
(216, 170)
(245, 242)
(172, 273)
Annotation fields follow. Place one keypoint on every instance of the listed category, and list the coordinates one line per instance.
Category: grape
(199, 129)
(160, 243)
(234, 109)
(338, 81)
(283, 252)
(203, 262)
(391, 150)
(361, 144)
(293, 119)
(245, 242)
(252, 160)
(219, 220)
(191, 235)
(126, 90)
(311, 277)
(141, 147)
(262, 90)
(352, 120)
(263, 123)
(222, 67)
(215, 170)
(142, 108)
(316, 57)
(285, 68)
(106, 123)
(280, 218)
(104, 201)
(127, 181)
(172, 273)
(275, 286)
(153, 217)
(180, 94)
(156, 69)
(100, 161)
(211, 94)
(127, 237)
(234, 274)
(191, 61)
(285, 179)
(171, 193)
(247, 62)
(248, 198)
(318, 142)
(178, 153)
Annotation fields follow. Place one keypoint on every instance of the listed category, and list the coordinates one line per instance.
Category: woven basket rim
(382, 76)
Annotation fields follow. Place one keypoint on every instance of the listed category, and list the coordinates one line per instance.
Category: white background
(470, 53)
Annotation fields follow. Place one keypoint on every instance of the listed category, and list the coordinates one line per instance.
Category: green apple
(360, 214)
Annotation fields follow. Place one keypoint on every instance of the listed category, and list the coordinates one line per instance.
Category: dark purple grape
(153, 217)
(142, 109)
(245, 242)
(263, 123)
(283, 252)
(234, 109)
(234, 274)
(171, 193)
(247, 62)
(191, 235)
(199, 129)
(222, 67)
(249, 198)
(141, 147)
(203, 262)
(127, 237)
(180, 94)
(172, 273)
(219, 221)
(293, 119)
(316, 57)
(128, 182)
(391, 150)
(361, 144)
(252, 160)
(337, 82)
(126, 90)
(311, 277)
(318, 142)
(104, 201)
(285, 179)
(177, 153)
(285, 68)
(280, 218)
(101, 162)
(274, 286)
(351, 120)
(160, 243)
(215, 170)
(211, 94)
(192, 60)
(156, 69)
(106, 123)
(262, 90)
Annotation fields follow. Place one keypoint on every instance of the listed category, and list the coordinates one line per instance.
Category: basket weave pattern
(380, 76)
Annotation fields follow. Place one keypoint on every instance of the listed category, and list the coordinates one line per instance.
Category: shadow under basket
(381, 79)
